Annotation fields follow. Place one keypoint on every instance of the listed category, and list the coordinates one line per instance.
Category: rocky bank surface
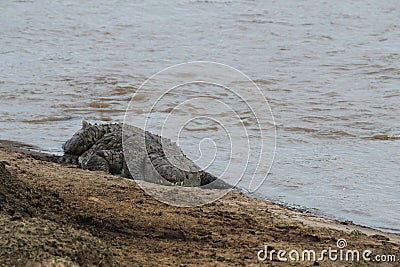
(59, 215)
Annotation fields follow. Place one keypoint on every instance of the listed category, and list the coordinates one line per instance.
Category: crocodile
(150, 157)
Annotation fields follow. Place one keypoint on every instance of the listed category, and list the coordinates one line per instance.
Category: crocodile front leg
(105, 160)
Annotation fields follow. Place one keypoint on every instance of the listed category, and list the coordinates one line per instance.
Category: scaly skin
(99, 147)
(85, 138)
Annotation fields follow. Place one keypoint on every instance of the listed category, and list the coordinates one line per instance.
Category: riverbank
(59, 213)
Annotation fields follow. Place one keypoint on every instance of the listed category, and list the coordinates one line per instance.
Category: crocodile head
(81, 141)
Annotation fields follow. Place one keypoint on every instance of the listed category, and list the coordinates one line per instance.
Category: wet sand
(59, 214)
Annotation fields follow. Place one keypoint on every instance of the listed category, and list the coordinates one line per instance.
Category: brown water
(331, 72)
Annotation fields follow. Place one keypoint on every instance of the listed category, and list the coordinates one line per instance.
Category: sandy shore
(57, 214)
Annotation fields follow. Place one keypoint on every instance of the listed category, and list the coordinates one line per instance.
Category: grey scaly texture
(150, 157)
